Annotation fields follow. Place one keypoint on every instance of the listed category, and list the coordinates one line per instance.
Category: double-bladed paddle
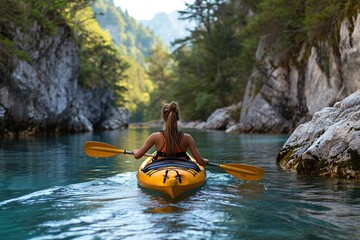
(238, 170)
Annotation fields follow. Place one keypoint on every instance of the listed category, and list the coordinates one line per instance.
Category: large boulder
(117, 118)
(329, 144)
(221, 119)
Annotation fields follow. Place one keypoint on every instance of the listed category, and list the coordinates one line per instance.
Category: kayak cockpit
(172, 176)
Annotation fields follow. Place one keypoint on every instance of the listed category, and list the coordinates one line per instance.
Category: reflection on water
(50, 190)
(166, 209)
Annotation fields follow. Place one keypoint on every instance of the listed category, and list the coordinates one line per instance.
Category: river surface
(49, 189)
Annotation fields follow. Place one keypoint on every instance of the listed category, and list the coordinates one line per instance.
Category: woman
(170, 142)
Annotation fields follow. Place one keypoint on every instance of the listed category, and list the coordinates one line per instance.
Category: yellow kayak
(171, 176)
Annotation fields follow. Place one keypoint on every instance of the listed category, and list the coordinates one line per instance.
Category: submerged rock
(329, 144)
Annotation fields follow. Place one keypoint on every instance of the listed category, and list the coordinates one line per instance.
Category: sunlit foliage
(139, 88)
(101, 62)
(136, 43)
(160, 71)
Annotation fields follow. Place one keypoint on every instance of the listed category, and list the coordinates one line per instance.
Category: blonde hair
(170, 114)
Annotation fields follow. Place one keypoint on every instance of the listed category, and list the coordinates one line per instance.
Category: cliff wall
(42, 95)
(283, 94)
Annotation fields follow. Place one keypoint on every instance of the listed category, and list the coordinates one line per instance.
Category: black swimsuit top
(178, 152)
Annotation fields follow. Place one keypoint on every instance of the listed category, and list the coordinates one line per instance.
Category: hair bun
(173, 106)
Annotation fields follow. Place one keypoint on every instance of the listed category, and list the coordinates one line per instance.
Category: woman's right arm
(195, 152)
(150, 141)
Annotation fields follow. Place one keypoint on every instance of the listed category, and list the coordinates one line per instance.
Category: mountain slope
(168, 26)
(134, 40)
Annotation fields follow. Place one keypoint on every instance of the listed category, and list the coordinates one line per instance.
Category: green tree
(139, 89)
(160, 71)
(323, 18)
(213, 54)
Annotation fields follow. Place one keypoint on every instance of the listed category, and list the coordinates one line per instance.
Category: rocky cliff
(283, 94)
(43, 94)
(329, 144)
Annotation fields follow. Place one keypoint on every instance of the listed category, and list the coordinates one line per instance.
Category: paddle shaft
(232, 168)
(213, 164)
(104, 149)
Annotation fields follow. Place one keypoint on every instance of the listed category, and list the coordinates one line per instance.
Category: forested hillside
(136, 44)
(133, 39)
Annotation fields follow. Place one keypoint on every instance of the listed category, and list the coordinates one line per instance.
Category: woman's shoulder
(186, 135)
(155, 135)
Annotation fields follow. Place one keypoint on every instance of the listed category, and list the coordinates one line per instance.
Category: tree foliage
(209, 60)
(100, 59)
(136, 44)
(323, 17)
(160, 71)
(134, 40)
(290, 23)
(139, 88)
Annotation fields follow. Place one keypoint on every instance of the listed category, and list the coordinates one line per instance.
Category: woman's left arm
(150, 141)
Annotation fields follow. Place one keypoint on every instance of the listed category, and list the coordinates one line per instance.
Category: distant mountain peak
(160, 14)
(168, 26)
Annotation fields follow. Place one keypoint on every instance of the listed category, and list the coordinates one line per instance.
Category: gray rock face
(221, 119)
(117, 118)
(328, 145)
(43, 95)
(280, 96)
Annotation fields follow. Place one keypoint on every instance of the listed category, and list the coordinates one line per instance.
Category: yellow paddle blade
(100, 149)
(243, 171)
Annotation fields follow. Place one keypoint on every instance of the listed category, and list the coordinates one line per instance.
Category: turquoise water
(49, 189)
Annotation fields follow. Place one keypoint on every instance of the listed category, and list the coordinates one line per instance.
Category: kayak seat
(171, 162)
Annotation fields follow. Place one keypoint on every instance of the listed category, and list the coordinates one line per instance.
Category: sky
(146, 9)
